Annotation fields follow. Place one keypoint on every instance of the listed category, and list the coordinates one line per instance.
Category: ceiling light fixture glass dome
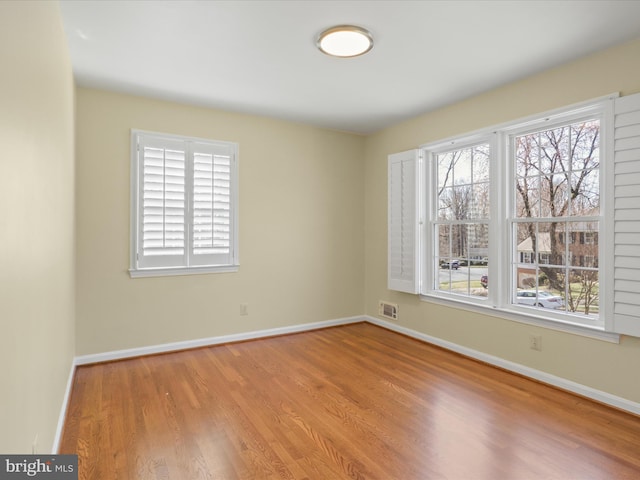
(345, 41)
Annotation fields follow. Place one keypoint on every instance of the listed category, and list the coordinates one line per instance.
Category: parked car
(484, 281)
(477, 260)
(455, 264)
(540, 299)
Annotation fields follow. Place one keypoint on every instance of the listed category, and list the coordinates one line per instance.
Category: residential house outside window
(546, 205)
(557, 198)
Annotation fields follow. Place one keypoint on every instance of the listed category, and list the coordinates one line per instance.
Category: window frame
(186, 266)
(500, 300)
(569, 116)
(430, 152)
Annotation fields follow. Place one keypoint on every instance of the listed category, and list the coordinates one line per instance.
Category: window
(184, 205)
(525, 197)
(461, 222)
(525, 257)
(556, 187)
(546, 206)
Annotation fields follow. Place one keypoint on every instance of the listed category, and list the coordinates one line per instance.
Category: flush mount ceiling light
(345, 41)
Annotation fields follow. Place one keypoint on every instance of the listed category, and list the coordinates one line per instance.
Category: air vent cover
(388, 310)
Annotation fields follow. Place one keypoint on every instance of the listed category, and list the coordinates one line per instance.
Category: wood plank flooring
(350, 402)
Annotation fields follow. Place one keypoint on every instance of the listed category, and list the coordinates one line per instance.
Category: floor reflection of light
(464, 438)
(471, 435)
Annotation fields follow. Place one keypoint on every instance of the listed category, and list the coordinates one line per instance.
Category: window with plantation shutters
(559, 243)
(184, 205)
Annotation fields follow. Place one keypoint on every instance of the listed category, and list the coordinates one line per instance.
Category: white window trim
(498, 302)
(594, 109)
(527, 319)
(430, 152)
(177, 271)
(134, 270)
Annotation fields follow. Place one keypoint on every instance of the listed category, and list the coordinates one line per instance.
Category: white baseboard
(559, 382)
(562, 383)
(205, 342)
(63, 409)
(175, 346)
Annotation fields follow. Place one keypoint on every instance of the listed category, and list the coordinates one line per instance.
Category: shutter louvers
(212, 215)
(184, 213)
(403, 223)
(163, 203)
(626, 284)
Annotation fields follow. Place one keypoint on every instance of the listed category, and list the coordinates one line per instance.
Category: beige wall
(604, 366)
(301, 228)
(312, 226)
(36, 224)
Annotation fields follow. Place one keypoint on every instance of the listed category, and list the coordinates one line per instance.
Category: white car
(540, 299)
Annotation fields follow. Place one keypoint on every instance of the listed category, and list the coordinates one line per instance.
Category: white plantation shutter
(626, 270)
(163, 205)
(212, 206)
(184, 211)
(404, 222)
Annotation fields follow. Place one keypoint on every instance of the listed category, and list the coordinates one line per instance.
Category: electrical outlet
(244, 309)
(535, 342)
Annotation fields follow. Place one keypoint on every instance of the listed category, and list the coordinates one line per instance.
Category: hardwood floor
(350, 402)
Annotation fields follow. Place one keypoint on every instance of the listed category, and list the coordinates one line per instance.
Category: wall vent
(388, 310)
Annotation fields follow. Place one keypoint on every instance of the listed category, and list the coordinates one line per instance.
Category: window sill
(177, 271)
(595, 332)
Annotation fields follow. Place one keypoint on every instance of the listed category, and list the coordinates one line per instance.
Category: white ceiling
(260, 57)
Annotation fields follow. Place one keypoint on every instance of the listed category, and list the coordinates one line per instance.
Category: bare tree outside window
(462, 230)
(557, 212)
